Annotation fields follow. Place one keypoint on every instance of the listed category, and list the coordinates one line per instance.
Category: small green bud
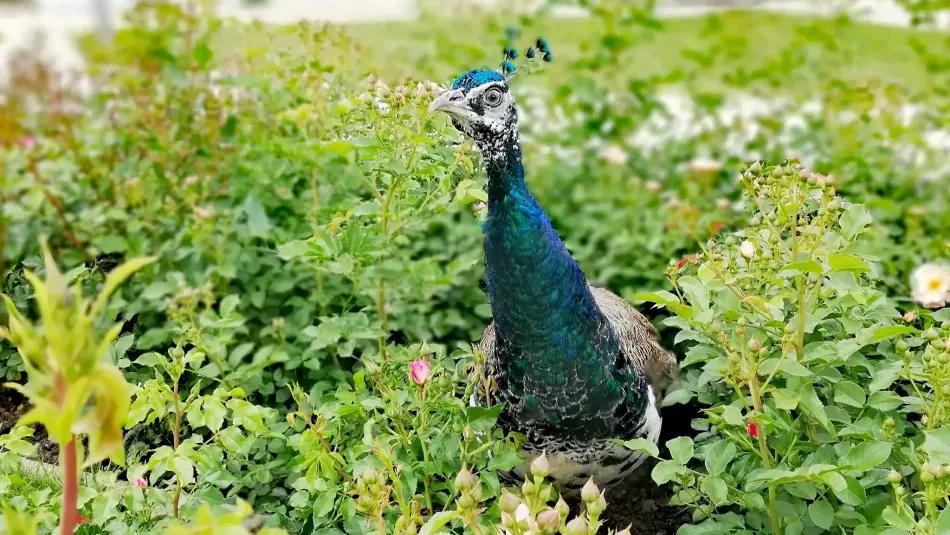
(756, 166)
(540, 466)
(527, 488)
(789, 328)
(464, 480)
(562, 508)
(931, 334)
(926, 477)
(590, 492)
(894, 476)
(901, 345)
(465, 501)
(890, 423)
(754, 344)
(597, 506)
(578, 526)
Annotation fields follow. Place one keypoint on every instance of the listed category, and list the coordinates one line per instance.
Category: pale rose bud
(464, 481)
(140, 482)
(653, 186)
(522, 513)
(624, 531)
(590, 492)
(722, 204)
(578, 526)
(27, 142)
(755, 345)
(894, 476)
(747, 249)
(419, 371)
(191, 180)
(549, 521)
(540, 466)
(383, 107)
(508, 502)
(910, 316)
(204, 212)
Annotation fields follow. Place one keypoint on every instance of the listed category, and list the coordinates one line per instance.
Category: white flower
(383, 107)
(930, 285)
(704, 166)
(653, 186)
(747, 249)
(615, 155)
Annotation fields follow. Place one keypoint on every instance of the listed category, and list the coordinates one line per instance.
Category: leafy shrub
(815, 394)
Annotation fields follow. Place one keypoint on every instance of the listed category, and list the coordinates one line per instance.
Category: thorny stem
(766, 456)
(176, 437)
(69, 464)
(800, 335)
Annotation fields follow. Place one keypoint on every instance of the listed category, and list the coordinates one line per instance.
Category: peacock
(575, 366)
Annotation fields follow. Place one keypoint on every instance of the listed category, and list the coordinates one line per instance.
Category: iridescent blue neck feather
(553, 343)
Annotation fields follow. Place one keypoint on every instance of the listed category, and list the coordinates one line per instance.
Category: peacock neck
(541, 303)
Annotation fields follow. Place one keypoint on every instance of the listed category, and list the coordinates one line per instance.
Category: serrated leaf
(643, 445)
(681, 449)
(716, 489)
(883, 333)
(846, 262)
(822, 514)
(719, 456)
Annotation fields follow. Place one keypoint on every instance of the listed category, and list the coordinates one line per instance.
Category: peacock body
(575, 366)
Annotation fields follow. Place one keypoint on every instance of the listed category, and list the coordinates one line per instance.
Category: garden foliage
(301, 345)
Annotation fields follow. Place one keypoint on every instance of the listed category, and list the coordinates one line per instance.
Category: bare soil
(12, 407)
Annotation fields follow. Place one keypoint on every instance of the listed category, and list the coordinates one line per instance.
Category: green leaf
(804, 267)
(785, 399)
(883, 333)
(849, 393)
(695, 290)
(681, 449)
(203, 54)
(719, 456)
(854, 220)
(733, 416)
(438, 521)
(813, 406)
(937, 445)
(323, 504)
(257, 221)
(846, 262)
(854, 494)
(943, 522)
(716, 489)
(822, 514)
(482, 419)
(643, 445)
(666, 471)
(868, 455)
(293, 249)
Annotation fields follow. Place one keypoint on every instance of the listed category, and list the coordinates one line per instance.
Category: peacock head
(482, 107)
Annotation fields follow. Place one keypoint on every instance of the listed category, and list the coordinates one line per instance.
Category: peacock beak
(451, 102)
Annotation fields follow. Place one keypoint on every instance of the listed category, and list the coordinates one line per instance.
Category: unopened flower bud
(540, 466)
(562, 508)
(549, 521)
(597, 506)
(894, 476)
(754, 344)
(578, 526)
(464, 480)
(508, 502)
(747, 249)
(910, 316)
(590, 492)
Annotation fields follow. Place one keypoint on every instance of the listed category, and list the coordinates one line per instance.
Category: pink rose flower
(419, 371)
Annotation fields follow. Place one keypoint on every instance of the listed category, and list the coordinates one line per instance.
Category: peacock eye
(493, 97)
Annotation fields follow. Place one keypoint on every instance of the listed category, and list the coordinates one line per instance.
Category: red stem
(70, 488)
(67, 458)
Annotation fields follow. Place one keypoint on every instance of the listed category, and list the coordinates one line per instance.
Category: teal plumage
(572, 364)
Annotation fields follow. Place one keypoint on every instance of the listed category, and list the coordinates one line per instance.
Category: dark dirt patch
(639, 502)
(12, 407)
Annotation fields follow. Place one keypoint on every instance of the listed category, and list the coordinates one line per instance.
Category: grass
(742, 40)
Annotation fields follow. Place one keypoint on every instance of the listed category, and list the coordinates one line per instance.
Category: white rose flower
(930, 285)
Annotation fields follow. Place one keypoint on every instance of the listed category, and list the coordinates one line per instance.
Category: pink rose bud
(27, 142)
(140, 482)
(419, 371)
